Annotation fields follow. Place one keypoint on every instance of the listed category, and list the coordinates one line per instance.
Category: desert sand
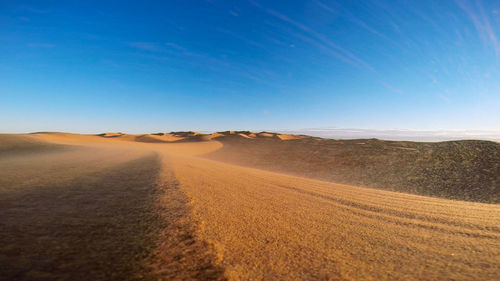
(176, 206)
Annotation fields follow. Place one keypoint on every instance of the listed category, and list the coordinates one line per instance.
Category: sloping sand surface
(80, 214)
(95, 210)
(270, 226)
(204, 219)
(460, 170)
(25, 144)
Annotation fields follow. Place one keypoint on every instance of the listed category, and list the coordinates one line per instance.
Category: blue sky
(152, 66)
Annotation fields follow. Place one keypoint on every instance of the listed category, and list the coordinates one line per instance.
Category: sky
(159, 66)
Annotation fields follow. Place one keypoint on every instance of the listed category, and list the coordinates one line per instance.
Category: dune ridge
(462, 170)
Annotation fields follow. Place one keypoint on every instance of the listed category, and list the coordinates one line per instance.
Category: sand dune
(290, 137)
(66, 214)
(463, 170)
(25, 144)
(265, 135)
(111, 135)
(205, 219)
(245, 136)
(271, 226)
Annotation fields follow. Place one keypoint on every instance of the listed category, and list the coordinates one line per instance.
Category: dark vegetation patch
(101, 226)
(462, 170)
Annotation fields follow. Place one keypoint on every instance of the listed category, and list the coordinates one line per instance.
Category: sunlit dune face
(244, 136)
(76, 138)
(111, 135)
(289, 137)
(265, 135)
(271, 226)
(216, 135)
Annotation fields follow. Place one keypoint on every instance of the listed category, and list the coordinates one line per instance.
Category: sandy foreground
(99, 208)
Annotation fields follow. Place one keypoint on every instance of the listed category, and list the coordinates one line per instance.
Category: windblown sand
(114, 207)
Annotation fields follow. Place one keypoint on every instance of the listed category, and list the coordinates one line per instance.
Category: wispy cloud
(146, 46)
(154, 47)
(35, 10)
(481, 22)
(324, 6)
(390, 87)
(41, 45)
(239, 37)
(322, 41)
(175, 46)
(444, 98)
(323, 48)
(357, 21)
(172, 51)
(255, 3)
(233, 13)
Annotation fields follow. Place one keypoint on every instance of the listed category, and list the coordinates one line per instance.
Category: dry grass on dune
(462, 170)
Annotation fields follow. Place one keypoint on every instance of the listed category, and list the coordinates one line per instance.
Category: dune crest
(111, 135)
(290, 137)
(265, 135)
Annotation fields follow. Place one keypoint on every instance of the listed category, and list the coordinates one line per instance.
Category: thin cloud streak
(146, 46)
(356, 21)
(340, 52)
(482, 24)
(241, 38)
(175, 46)
(41, 45)
(324, 6)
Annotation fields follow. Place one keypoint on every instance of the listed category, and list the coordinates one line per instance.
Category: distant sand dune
(245, 136)
(111, 135)
(289, 137)
(25, 144)
(156, 138)
(266, 135)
